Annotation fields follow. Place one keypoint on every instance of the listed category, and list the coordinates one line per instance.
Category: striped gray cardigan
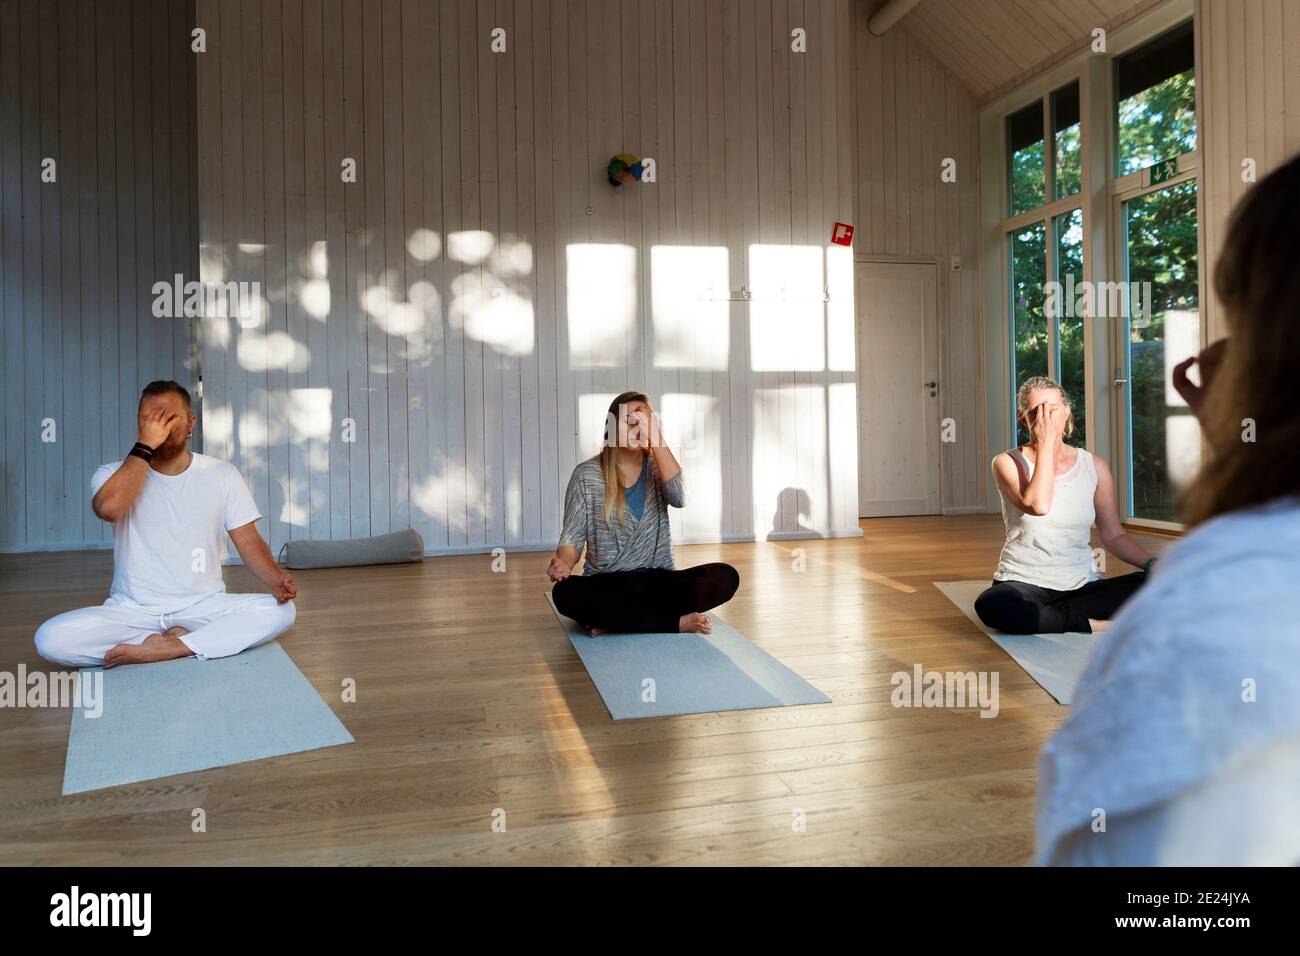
(635, 544)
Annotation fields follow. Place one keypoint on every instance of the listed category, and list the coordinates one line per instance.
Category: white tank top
(1052, 550)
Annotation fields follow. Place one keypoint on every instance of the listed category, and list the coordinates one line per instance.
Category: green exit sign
(1162, 171)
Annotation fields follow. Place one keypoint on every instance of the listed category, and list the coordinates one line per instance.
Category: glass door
(1156, 313)
(1154, 306)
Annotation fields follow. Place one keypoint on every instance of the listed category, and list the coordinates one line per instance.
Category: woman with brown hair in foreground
(1183, 745)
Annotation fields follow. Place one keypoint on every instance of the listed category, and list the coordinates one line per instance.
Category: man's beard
(172, 448)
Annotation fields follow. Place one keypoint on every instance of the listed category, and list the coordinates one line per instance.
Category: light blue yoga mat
(1056, 661)
(178, 716)
(691, 673)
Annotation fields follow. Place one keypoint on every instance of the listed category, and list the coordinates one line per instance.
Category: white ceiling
(992, 45)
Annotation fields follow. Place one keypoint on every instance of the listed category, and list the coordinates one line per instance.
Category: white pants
(218, 626)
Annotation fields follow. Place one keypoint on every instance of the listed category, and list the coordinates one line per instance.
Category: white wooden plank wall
(1248, 58)
(105, 88)
(910, 114)
(460, 310)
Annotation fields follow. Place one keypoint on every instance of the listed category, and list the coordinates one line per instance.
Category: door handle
(932, 386)
(1120, 381)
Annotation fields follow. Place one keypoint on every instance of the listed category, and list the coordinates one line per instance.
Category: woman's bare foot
(1098, 626)
(156, 647)
(695, 623)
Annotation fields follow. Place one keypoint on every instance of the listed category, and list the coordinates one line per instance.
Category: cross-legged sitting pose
(1046, 582)
(170, 509)
(616, 506)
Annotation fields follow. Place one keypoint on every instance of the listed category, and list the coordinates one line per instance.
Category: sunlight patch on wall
(691, 427)
(274, 351)
(787, 310)
(254, 429)
(216, 332)
(314, 287)
(315, 298)
(424, 296)
(251, 311)
(843, 431)
(470, 247)
(592, 409)
(489, 312)
(689, 311)
(514, 504)
(213, 262)
(310, 412)
(218, 425)
(424, 244)
(512, 257)
(296, 510)
(790, 462)
(841, 342)
(602, 300)
(452, 483)
(318, 259)
(396, 318)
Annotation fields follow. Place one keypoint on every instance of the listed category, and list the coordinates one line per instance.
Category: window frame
(1046, 214)
(1097, 198)
(1122, 190)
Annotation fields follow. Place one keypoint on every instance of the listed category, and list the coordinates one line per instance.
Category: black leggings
(646, 601)
(1014, 607)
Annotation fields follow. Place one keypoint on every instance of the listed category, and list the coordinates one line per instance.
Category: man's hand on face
(155, 426)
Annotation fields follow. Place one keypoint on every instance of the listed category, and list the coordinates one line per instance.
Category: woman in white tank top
(1047, 581)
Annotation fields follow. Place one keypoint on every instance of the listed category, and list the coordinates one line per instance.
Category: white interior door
(898, 388)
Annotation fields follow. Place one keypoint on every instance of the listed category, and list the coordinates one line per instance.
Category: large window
(1025, 156)
(1067, 233)
(1044, 234)
(1162, 328)
(1109, 331)
(1155, 101)
(1067, 142)
(1028, 275)
(1155, 213)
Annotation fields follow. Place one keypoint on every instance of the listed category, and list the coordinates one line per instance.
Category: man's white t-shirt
(167, 550)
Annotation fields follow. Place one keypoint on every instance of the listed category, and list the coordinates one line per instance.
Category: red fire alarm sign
(842, 234)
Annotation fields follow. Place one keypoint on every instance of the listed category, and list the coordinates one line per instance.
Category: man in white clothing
(170, 510)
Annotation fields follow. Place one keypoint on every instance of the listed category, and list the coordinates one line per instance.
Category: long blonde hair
(1257, 383)
(615, 498)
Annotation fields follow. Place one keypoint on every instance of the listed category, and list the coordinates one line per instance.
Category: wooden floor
(470, 699)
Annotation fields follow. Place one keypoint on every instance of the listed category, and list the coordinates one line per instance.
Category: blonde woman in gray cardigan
(616, 508)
